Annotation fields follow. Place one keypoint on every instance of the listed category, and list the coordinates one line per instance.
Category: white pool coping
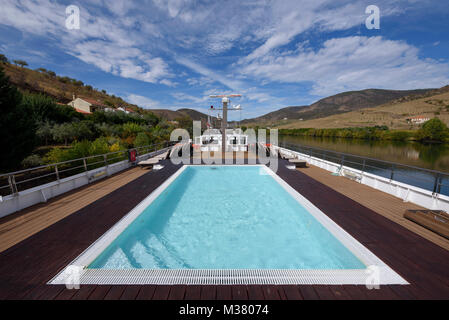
(376, 270)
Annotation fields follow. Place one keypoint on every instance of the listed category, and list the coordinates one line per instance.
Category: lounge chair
(162, 156)
(298, 163)
(287, 156)
(148, 163)
(434, 220)
(352, 175)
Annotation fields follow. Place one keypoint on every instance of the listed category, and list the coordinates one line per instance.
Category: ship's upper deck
(38, 242)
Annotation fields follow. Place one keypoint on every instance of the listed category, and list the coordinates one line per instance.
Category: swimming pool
(227, 224)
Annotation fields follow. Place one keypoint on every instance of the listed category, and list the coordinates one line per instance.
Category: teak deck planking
(26, 267)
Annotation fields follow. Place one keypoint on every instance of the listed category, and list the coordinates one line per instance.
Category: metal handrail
(55, 167)
(368, 158)
(79, 159)
(391, 167)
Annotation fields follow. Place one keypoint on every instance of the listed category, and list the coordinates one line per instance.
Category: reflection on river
(434, 157)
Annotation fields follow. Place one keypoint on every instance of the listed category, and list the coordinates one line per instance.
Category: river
(433, 157)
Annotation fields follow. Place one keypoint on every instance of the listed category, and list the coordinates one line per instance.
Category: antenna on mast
(225, 99)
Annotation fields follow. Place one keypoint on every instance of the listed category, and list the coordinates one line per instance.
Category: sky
(172, 54)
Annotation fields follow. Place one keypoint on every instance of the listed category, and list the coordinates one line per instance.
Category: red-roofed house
(418, 119)
(86, 105)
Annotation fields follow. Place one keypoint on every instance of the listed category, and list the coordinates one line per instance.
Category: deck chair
(148, 163)
(162, 156)
(298, 163)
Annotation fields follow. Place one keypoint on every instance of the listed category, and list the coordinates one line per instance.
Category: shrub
(99, 146)
(31, 161)
(45, 109)
(400, 135)
(433, 130)
(82, 149)
(17, 128)
(141, 140)
(3, 59)
(131, 129)
(21, 63)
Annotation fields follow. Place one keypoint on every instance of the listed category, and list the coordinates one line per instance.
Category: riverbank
(378, 133)
(428, 156)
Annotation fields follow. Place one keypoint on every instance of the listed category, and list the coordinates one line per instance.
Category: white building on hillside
(418, 120)
(88, 106)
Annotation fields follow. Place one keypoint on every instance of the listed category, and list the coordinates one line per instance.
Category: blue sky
(174, 53)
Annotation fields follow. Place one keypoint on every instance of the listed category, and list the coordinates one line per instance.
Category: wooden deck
(382, 203)
(28, 265)
(24, 224)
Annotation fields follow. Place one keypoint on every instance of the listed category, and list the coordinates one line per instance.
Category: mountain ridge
(339, 103)
(62, 90)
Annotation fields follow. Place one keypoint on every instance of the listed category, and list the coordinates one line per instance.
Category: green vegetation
(44, 108)
(30, 121)
(17, 128)
(85, 148)
(433, 130)
(369, 133)
(61, 88)
(3, 59)
(21, 63)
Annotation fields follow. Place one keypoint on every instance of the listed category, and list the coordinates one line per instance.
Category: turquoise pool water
(225, 218)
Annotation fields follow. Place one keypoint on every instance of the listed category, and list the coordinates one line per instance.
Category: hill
(62, 90)
(337, 104)
(394, 114)
(172, 115)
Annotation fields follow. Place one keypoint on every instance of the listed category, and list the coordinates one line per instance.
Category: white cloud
(353, 63)
(143, 102)
(119, 7)
(211, 74)
(122, 61)
(236, 46)
(180, 96)
(200, 81)
(101, 41)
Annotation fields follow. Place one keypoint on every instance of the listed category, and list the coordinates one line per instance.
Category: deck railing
(435, 181)
(14, 182)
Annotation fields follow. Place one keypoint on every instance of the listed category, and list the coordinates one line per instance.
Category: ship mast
(225, 99)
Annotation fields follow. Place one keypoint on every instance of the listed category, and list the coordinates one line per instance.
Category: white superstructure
(211, 140)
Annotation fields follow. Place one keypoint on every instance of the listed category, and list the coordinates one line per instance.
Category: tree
(17, 128)
(21, 63)
(45, 109)
(3, 59)
(141, 140)
(45, 131)
(63, 132)
(151, 119)
(185, 122)
(433, 130)
(131, 129)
